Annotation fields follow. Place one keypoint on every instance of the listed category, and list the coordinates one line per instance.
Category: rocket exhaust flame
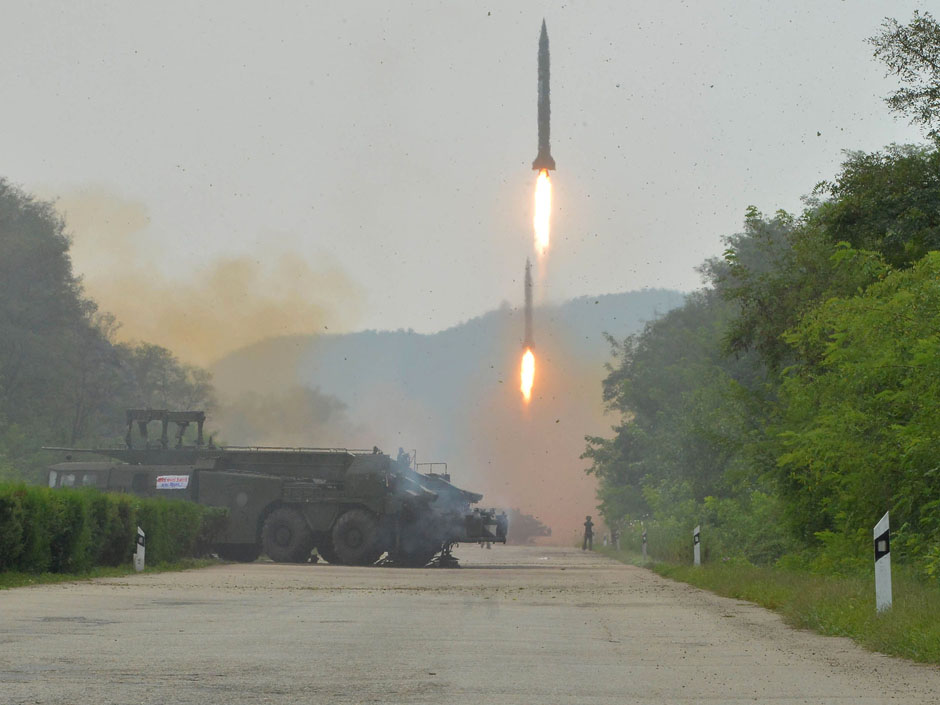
(527, 370)
(527, 374)
(543, 210)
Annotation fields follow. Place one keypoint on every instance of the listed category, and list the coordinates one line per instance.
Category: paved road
(515, 625)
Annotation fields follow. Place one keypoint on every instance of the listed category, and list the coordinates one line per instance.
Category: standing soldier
(588, 544)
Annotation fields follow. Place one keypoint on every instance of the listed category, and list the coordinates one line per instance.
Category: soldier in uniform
(588, 544)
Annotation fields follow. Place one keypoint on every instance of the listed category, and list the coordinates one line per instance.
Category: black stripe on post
(883, 545)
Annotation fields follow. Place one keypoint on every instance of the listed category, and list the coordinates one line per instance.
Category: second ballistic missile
(544, 159)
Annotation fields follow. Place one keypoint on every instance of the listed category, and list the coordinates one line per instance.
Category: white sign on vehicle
(172, 482)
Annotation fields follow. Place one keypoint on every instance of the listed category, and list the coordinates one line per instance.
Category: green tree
(63, 379)
(860, 430)
(42, 314)
(685, 408)
(912, 53)
(886, 202)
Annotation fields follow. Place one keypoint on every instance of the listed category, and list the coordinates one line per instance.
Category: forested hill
(428, 365)
(452, 396)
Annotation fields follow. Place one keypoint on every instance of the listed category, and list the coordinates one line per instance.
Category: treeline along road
(791, 401)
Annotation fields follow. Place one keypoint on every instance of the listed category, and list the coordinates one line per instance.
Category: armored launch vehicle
(352, 506)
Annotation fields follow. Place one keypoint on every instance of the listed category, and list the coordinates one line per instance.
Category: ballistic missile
(544, 159)
(528, 342)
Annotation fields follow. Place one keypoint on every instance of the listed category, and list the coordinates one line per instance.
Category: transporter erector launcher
(544, 159)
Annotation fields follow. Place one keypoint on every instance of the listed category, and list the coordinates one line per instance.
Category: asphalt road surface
(514, 625)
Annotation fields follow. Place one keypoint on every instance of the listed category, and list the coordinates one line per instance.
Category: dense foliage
(70, 531)
(63, 379)
(793, 400)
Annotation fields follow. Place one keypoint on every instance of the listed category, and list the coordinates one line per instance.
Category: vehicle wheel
(285, 537)
(326, 551)
(240, 552)
(355, 538)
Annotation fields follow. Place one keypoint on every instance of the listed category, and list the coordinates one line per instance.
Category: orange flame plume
(527, 374)
(543, 209)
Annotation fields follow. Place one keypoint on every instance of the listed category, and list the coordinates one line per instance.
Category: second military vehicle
(351, 506)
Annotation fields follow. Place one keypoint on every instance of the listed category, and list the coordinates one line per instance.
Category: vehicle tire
(286, 537)
(326, 551)
(239, 552)
(355, 538)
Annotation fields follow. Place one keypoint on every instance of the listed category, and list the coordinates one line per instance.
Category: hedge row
(69, 531)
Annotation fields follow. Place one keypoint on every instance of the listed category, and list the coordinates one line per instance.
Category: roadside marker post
(141, 549)
(697, 545)
(644, 545)
(882, 537)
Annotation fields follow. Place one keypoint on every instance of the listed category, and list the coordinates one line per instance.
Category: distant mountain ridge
(341, 364)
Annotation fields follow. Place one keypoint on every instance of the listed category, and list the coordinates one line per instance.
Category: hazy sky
(392, 141)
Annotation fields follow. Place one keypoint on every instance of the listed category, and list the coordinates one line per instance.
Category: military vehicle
(351, 506)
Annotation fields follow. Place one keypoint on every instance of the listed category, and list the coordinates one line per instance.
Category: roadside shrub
(11, 526)
(113, 528)
(36, 556)
(172, 528)
(747, 527)
(212, 528)
(72, 530)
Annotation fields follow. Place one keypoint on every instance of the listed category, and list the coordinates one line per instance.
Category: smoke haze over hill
(227, 303)
(452, 396)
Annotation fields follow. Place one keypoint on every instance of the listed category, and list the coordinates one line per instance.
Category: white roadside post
(882, 564)
(697, 545)
(644, 545)
(141, 548)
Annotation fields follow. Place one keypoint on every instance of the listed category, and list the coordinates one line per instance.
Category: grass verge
(14, 579)
(830, 605)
